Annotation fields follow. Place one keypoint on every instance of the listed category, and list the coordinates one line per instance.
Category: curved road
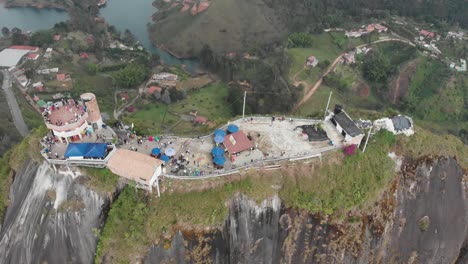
(13, 104)
(314, 88)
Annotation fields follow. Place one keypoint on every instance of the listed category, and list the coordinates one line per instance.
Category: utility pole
(367, 139)
(157, 186)
(243, 108)
(328, 104)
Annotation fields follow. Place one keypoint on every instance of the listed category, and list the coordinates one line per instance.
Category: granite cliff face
(51, 218)
(422, 218)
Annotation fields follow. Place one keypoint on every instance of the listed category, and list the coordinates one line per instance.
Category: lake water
(135, 16)
(123, 14)
(30, 18)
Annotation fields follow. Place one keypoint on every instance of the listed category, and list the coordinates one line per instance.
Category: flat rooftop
(11, 57)
(63, 115)
(133, 165)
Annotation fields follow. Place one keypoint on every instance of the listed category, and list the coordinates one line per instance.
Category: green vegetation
(331, 186)
(5, 182)
(425, 92)
(131, 75)
(300, 40)
(13, 159)
(100, 85)
(155, 118)
(41, 38)
(31, 117)
(101, 180)
(135, 222)
(209, 101)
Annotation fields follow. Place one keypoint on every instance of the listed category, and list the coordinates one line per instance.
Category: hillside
(226, 26)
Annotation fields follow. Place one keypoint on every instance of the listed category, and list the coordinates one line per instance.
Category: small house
(237, 142)
(427, 34)
(33, 56)
(312, 61)
(200, 120)
(346, 127)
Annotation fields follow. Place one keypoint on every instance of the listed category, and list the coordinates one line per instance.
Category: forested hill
(335, 12)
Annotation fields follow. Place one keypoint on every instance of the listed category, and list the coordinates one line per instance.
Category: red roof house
(153, 89)
(200, 120)
(61, 77)
(23, 47)
(237, 142)
(33, 56)
(90, 40)
(84, 55)
(427, 33)
(57, 37)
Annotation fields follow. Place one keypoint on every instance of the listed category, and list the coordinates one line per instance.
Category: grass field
(209, 102)
(155, 118)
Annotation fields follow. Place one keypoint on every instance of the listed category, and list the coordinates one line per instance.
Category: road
(311, 89)
(13, 104)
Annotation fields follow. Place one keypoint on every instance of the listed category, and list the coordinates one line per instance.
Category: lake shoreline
(57, 7)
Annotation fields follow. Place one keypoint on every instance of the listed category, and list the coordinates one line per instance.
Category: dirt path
(310, 89)
(118, 111)
(13, 104)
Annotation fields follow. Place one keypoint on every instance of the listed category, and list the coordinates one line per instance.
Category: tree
(128, 38)
(5, 31)
(300, 40)
(41, 38)
(131, 75)
(377, 67)
(92, 68)
(17, 38)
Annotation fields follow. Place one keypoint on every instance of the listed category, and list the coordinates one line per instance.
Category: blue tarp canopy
(219, 139)
(219, 132)
(217, 151)
(164, 158)
(87, 150)
(232, 128)
(155, 151)
(219, 160)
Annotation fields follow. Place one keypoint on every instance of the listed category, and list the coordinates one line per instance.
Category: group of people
(69, 105)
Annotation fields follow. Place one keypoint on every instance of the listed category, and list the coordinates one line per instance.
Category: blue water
(135, 16)
(30, 18)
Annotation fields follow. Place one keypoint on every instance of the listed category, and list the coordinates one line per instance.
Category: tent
(41, 103)
(86, 150)
(170, 152)
(155, 151)
(219, 160)
(217, 151)
(164, 158)
(219, 132)
(232, 128)
(219, 139)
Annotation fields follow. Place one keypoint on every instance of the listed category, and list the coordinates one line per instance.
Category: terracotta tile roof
(237, 142)
(200, 119)
(23, 47)
(153, 89)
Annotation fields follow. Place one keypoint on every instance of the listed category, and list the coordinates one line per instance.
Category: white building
(346, 127)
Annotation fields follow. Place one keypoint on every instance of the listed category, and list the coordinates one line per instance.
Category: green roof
(41, 103)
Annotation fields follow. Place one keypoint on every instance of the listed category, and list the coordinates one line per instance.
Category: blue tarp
(155, 151)
(164, 158)
(217, 151)
(219, 160)
(219, 139)
(219, 132)
(87, 150)
(232, 128)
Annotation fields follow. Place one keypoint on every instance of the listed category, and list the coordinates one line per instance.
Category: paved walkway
(13, 104)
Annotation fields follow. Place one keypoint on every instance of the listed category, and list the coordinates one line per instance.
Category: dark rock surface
(270, 233)
(38, 228)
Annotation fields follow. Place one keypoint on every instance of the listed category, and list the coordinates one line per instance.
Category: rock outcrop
(422, 218)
